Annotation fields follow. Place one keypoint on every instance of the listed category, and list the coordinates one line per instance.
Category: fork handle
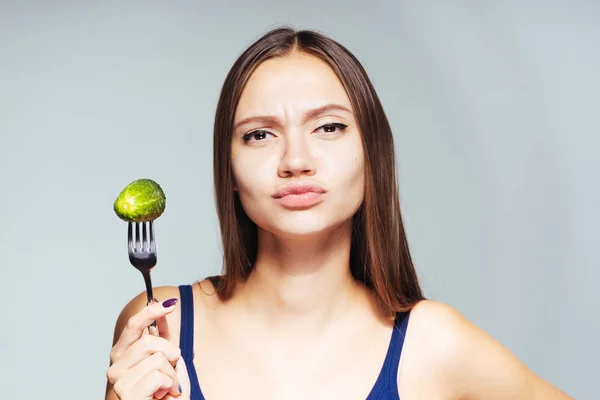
(153, 328)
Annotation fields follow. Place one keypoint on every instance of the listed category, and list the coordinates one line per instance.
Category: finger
(180, 397)
(156, 362)
(144, 388)
(183, 377)
(137, 324)
(152, 328)
(163, 328)
(145, 347)
(184, 383)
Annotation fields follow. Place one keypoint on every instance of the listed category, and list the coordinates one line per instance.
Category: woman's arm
(472, 364)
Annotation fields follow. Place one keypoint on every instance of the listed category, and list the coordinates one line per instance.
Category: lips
(298, 188)
(299, 195)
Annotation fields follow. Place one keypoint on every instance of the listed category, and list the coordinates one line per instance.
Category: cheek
(252, 176)
(349, 165)
(245, 184)
(244, 179)
(355, 175)
(358, 175)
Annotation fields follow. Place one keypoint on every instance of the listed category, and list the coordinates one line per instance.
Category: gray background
(494, 106)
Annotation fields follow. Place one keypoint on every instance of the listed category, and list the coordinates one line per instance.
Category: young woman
(319, 298)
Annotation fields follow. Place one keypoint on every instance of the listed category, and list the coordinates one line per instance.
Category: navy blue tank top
(385, 388)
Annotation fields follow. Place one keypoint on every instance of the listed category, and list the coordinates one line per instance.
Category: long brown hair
(380, 256)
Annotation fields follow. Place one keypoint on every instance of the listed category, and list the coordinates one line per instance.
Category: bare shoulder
(465, 361)
(204, 297)
(137, 303)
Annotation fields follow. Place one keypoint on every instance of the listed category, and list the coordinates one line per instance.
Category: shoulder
(466, 361)
(201, 292)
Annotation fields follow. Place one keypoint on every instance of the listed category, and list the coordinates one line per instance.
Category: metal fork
(142, 255)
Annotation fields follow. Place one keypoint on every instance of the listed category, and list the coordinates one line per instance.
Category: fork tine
(137, 236)
(130, 236)
(152, 241)
(144, 237)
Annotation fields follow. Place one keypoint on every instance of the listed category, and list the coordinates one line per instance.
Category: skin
(300, 327)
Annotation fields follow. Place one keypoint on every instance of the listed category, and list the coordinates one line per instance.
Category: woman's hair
(380, 256)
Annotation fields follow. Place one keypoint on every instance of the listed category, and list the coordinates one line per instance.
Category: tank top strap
(186, 338)
(400, 326)
(386, 386)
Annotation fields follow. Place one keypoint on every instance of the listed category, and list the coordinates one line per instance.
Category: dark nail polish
(169, 303)
(179, 387)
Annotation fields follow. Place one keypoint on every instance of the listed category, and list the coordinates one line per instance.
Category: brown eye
(333, 127)
(256, 136)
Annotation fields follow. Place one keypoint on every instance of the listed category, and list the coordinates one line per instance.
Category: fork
(142, 255)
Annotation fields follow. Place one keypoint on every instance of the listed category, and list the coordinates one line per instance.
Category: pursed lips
(298, 188)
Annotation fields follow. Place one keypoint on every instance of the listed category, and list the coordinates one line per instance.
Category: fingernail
(169, 303)
(179, 387)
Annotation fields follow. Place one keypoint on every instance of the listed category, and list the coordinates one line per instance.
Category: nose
(297, 159)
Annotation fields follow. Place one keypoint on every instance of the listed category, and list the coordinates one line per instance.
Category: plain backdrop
(494, 108)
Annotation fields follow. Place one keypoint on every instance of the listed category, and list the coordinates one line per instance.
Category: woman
(319, 298)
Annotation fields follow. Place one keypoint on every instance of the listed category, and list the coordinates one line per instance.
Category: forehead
(289, 85)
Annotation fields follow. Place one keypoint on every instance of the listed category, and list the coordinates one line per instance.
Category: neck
(302, 283)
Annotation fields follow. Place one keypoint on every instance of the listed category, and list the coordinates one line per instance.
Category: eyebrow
(309, 114)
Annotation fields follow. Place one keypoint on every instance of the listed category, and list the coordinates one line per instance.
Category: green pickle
(142, 200)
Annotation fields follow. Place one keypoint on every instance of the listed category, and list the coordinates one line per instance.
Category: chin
(303, 224)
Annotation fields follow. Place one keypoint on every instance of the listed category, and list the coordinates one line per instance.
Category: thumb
(162, 324)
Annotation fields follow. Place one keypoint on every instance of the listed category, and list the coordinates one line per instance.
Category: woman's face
(297, 153)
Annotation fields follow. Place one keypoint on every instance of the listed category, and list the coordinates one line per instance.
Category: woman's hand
(143, 365)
